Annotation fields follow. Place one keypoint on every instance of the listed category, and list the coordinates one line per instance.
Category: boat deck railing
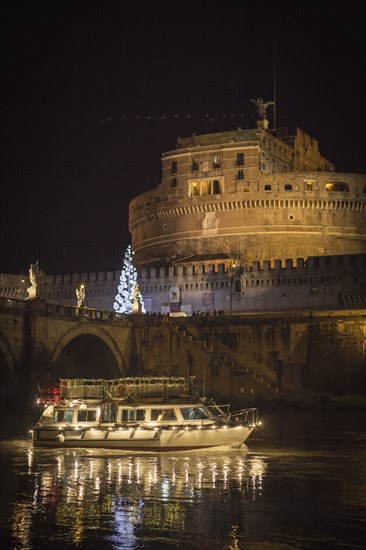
(137, 387)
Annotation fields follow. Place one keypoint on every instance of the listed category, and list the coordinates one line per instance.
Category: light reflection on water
(264, 497)
(84, 491)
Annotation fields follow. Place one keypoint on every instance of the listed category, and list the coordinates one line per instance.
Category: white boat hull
(142, 439)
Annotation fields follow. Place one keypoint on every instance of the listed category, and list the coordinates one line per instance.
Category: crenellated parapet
(328, 281)
(312, 266)
(209, 283)
(101, 288)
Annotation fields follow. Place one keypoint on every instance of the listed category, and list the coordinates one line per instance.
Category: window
(240, 159)
(194, 413)
(237, 286)
(87, 415)
(216, 162)
(63, 415)
(109, 412)
(159, 415)
(194, 165)
(216, 188)
(267, 187)
(240, 175)
(205, 186)
(133, 415)
(288, 187)
(195, 189)
(174, 167)
(337, 186)
(174, 182)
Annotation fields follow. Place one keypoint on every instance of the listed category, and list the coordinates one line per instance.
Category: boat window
(163, 414)
(194, 413)
(63, 415)
(87, 415)
(109, 412)
(131, 415)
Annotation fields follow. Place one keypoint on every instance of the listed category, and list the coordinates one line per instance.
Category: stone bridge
(231, 356)
(38, 339)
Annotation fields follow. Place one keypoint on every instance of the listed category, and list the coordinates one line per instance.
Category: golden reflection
(20, 524)
(153, 493)
(30, 455)
(234, 542)
(77, 528)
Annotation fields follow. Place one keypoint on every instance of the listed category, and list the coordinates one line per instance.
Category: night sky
(93, 93)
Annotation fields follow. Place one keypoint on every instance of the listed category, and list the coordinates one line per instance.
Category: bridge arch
(8, 356)
(99, 332)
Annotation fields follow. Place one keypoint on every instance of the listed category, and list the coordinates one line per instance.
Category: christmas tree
(128, 291)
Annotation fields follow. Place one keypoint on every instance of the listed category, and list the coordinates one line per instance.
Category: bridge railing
(85, 312)
(47, 308)
(11, 303)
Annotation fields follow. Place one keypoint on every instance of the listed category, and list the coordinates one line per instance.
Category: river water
(299, 483)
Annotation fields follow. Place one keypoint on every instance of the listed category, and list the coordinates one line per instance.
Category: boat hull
(142, 439)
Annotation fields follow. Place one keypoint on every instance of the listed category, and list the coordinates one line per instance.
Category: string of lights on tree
(128, 291)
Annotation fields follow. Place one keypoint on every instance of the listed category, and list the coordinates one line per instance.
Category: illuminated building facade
(229, 199)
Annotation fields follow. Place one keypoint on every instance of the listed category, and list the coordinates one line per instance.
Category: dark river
(300, 483)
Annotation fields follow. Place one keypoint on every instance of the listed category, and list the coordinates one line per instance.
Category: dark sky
(93, 93)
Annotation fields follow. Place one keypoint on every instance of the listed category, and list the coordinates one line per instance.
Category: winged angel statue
(261, 106)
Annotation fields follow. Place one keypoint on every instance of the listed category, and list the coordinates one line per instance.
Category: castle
(250, 220)
(244, 220)
(254, 223)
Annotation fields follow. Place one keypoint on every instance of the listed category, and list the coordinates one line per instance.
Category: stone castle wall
(253, 223)
(333, 281)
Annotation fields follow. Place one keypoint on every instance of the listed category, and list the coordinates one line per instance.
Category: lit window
(337, 186)
(195, 189)
(216, 162)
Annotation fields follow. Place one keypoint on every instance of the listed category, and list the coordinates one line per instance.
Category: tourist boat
(141, 414)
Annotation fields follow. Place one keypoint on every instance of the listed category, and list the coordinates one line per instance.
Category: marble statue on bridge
(37, 279)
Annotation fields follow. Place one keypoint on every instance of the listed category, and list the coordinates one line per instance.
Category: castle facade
(235, 203)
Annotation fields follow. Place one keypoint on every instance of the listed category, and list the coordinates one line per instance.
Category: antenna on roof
(274, 87)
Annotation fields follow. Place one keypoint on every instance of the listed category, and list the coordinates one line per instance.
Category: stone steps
(223, 358)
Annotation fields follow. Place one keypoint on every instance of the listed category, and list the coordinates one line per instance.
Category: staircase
(222, 355)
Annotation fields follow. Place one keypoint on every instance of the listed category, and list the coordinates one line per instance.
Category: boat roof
(160, 388)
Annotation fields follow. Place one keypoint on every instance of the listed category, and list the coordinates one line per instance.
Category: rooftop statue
(261, 106)
(33, 274)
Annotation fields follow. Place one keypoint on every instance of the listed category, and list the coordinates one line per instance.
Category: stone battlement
(311, 265)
